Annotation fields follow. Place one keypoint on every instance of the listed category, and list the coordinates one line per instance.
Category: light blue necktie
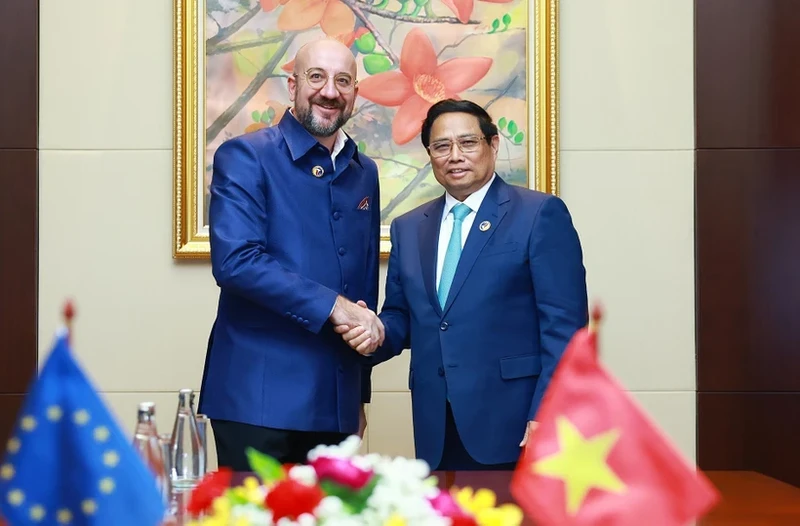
(451, 257)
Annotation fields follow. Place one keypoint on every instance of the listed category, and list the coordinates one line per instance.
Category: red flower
(212, 486)
(420, 83)
(463, 8)
(290, 498)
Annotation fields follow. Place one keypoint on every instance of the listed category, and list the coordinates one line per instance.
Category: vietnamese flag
(597, 459)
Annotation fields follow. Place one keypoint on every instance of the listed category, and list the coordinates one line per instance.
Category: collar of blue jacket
(300, 142)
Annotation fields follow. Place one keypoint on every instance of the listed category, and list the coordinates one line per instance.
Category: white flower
(304, 474)
(347, 449)
(305, 519)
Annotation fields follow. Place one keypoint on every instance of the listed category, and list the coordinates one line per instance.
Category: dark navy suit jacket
(284, 243)
(518, 296)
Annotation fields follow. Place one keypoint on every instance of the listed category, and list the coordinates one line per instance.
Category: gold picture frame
(190, 240)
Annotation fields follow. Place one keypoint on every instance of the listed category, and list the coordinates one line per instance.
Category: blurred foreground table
(748, 498)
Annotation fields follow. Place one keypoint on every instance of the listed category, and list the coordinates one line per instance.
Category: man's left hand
(529, 429)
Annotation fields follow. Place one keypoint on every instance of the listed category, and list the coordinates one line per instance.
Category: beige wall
(627, 144)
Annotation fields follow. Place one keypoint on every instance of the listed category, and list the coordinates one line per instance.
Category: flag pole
(595, 318)
(69, 314)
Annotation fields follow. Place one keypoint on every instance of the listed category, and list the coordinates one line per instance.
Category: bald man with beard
(294, 223)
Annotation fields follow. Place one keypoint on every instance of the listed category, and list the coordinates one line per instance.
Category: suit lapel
(491, 210)
(428, 247)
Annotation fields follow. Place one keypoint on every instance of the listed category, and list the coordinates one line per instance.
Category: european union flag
(68, 462)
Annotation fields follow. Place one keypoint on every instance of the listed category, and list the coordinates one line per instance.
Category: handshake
(360, 327)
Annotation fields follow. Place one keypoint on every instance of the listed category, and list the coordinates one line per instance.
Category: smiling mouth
(457, 171)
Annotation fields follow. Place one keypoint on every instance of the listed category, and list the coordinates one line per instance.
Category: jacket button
(444, 326)
(336, 215)
(345, 287)
(441, 371)
(342, 251)
(294, 318)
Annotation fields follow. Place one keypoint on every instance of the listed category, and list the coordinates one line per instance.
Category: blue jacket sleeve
(559, 282)
(240, 253)
(395, 313)
(372, 280)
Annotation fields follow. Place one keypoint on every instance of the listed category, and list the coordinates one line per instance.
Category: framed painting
(233, 58)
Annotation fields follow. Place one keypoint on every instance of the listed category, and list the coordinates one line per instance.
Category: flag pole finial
(69, 315)
(595, 317)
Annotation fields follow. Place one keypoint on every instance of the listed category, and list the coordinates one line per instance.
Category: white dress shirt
(474, 203)
(341, 139)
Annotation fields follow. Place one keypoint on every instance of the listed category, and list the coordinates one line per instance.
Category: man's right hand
(360, 327)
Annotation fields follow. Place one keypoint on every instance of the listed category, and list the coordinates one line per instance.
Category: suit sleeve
(559, 283)
(395, 313)
(240, 252)
(373, 264)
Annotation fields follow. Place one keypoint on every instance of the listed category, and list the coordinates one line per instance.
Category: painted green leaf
(267, 468)
(495, 24)
(507, 19)
(374, 64)
(366, 43)
(512, 127)
(271, 113)
(265, 117)
(502, 123)
(362, 146)
(519, 137)
(256, 115)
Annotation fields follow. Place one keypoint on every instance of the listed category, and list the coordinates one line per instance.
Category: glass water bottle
(186, 450)
(146, 442)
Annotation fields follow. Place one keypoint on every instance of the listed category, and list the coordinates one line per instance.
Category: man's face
(461, 172)
(324, 90)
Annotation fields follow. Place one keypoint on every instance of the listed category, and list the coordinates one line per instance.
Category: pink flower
(342, 472)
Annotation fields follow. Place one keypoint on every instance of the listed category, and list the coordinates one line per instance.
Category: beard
(316, 126)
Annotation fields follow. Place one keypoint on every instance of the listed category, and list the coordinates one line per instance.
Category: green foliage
(510, 130)
(267, 468)
(366, 43)
(512, 127)
(354, 501)
(374, 63)
(362, 146)
(505, 21)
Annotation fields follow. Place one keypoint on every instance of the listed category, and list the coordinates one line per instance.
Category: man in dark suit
(294, 229)
(486, 285)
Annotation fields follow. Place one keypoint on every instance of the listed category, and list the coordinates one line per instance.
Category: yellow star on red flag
(581, 463)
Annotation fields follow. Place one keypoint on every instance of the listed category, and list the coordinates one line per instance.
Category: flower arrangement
(338, 487)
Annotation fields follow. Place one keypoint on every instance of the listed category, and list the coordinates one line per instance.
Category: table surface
(748, 498)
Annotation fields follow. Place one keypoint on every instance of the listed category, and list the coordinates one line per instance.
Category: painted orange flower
(420, 83)
(463, 8)
(333, 16)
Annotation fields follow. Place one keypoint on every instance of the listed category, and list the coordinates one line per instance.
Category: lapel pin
(317, 171)
(485, 226)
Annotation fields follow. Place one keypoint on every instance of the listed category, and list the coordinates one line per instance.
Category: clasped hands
(360, 327)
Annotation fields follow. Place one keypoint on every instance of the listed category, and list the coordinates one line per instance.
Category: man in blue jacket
(486, 285)
(294, 223)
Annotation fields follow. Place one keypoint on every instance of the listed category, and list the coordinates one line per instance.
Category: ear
(291, 84)
(495, 143)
